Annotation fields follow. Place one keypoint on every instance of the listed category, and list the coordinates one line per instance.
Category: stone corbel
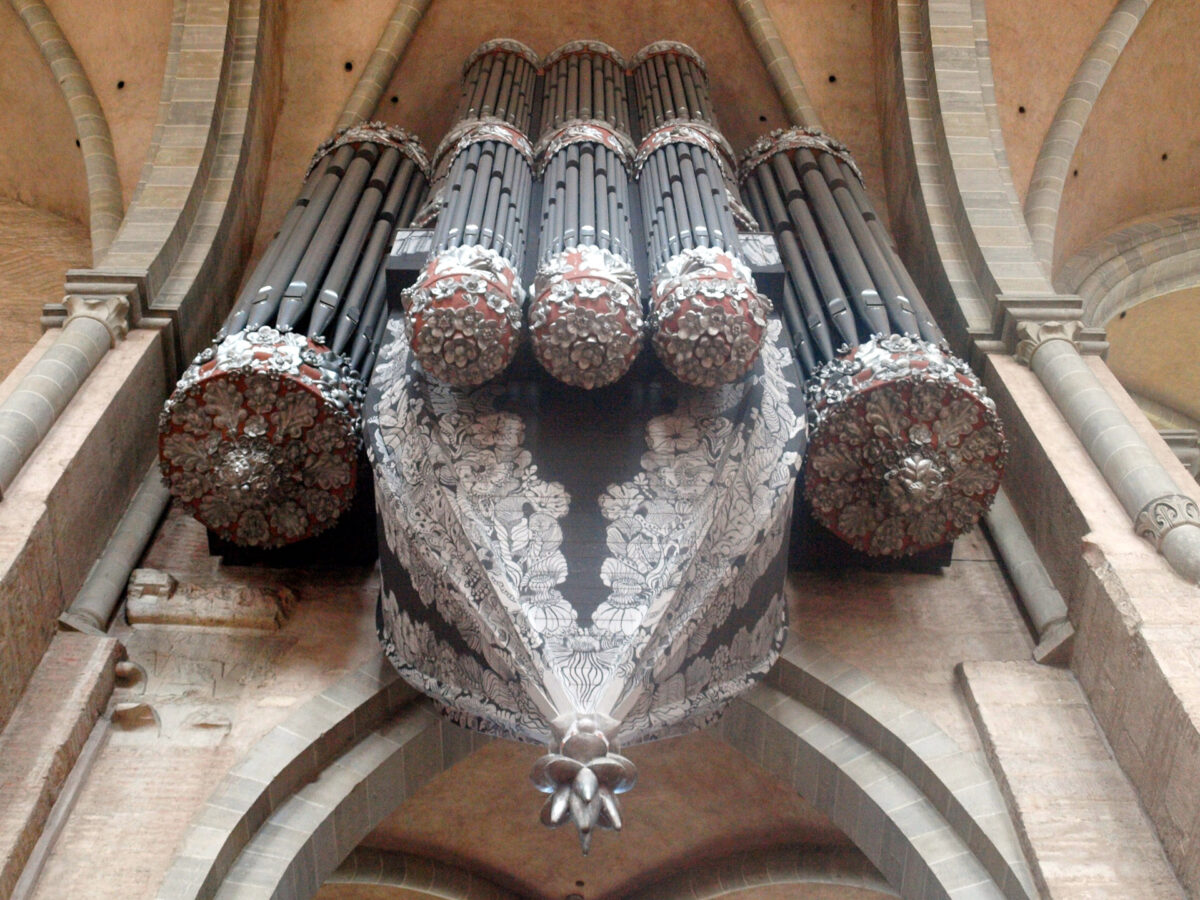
(1032, 334)
(111, 310)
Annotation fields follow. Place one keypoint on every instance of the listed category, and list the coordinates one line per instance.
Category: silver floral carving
(689, 132)
(1163, 515)
(585, 319)
(463, 315)
(583, 778)
(707, 317)
(374, 133)
(260, 437)
(584, 131)
(500, 45)
(592, 48)
(788, 140)
(907, 450)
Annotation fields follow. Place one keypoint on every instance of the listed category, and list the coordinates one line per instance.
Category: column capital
(110, 310)
(1164, 514)
(1031, 334)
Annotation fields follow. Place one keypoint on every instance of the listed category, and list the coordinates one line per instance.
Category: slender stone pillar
(1162, 513)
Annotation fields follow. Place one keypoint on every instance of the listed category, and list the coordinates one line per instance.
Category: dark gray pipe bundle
(671, 84)
(498, 83)
(288, 368)
(585, 317)
(463, 314)
(707, 317)
(905, 450)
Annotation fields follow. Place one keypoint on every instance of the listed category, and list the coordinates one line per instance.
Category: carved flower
(252, 528)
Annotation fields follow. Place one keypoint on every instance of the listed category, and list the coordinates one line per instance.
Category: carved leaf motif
(976, 479)
(836, 461)
(959, 418)
(888, 413)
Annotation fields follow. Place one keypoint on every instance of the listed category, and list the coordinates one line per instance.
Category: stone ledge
(66, 695)
(1080, 818)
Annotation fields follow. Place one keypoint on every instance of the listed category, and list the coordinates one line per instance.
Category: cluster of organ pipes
(261, 435)
(592, 203)
(585, 317)
(905, 448)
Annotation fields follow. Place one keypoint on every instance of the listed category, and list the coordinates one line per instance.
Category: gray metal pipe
(1039, 596)
(93, 606)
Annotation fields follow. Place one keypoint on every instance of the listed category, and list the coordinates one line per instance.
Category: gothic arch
(926, 814)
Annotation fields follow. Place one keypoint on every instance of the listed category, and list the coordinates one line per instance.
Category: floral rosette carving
(463, 315)
(707, 318)
(906, 449)
(585, 320)
(260, 438)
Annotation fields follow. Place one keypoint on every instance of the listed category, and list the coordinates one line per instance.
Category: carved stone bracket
(1164, 514)
(111, 310)
(1032, 334)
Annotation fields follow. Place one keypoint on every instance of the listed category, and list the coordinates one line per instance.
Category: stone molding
(1164, 514)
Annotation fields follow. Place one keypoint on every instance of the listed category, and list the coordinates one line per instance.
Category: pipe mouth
(585, 320)
(260, 438)
(906, 449)
(708, 320)
(463, 315)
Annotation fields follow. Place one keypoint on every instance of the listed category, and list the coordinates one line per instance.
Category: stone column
(1161, 512)
(94, 325)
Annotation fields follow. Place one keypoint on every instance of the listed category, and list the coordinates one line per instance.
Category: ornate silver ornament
(583, 778)
(585, 320)
(260, 438)
(906, 449)
(463, 315)
(708, 319)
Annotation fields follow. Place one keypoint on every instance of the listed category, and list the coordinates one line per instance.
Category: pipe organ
(584, 419)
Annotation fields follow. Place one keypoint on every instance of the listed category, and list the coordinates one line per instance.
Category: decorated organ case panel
(261, 437)
(906, 450)
(588, 548)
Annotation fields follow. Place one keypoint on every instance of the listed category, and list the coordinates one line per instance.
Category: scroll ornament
(260, 438)
(463, 315)
(708, 319)
(585, 320)
(906, 449)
